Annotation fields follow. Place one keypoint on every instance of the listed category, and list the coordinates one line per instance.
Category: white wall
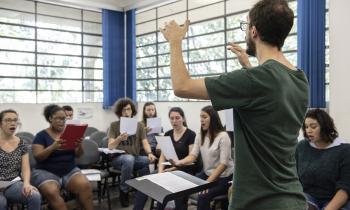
(339, 104)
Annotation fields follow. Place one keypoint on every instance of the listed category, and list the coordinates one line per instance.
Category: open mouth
(12, 128)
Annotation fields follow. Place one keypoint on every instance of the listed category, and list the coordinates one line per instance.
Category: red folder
(71, 134)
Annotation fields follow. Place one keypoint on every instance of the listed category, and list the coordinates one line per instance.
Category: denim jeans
(13, 194)
(127, 164)
(321, 204)
(221, 188)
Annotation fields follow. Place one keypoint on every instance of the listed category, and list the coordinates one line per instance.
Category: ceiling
(118, 5)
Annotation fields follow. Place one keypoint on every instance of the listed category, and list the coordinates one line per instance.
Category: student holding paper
(214, 145)
(14, 163)
(149, 111)
(182, 139)
(56, 166)
(132, 160)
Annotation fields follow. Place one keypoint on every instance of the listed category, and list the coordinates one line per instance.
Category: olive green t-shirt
(270, 102)
(134, 142)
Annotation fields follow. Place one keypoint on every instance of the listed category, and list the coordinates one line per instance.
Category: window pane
(17, 71)
(233, 64)
(26, 6)
(17, 31)
(94, 28)
(146, 27)
(235, 36)
(51, 84)
(66, 49)
(59, 11)
(168, 95)
(145, 16)
(172, 8)
(58, 23)
(17, 57)
(93, 40)
(165, 84)
(93, 74)
(146, 62)
(207, 54)
(206, 27)
(146, 96)
(202, 13)
(59, 36)
(146, 73)
(194, 4)
(179, 18)
(234, 21)
(16, 44)
(93, 51)
(164, 71)
(93, 62)
(212, 67)
(146, 51)
(55, 72)
(8, 16)
(207, 40)
(59, 60)
(95, 96)
(17, 84)
(17, 96)
(292, 57)
(146, 85)
(146, 39)
(59, 96)
(92, 16)
(93, 85)
(290, 43)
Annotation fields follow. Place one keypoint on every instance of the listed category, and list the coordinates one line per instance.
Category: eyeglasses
(126, 109)
(9, 120)
(243, 25)
(61, 119)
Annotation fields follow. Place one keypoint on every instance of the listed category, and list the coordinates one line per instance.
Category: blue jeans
(40, 176)
(221, 188)
(127, 164)
(321, 204)
(13, 194)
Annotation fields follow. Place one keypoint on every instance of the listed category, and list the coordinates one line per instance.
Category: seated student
(214, 145)
(182, 139)
(14, 162)
(323, 163)
(149, 111)
(68, 110)
(56, 166)
(132, 160)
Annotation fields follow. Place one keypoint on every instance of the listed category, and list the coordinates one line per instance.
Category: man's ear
(254, 32)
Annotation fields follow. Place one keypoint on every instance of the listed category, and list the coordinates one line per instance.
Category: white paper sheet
(155, 124)
(72, 122)
(229, 119)
(128, 125)
(167, 147)
(171, 182)
(111, 151)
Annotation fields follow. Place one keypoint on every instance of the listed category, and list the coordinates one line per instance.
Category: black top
(181, 147)
(322, 172)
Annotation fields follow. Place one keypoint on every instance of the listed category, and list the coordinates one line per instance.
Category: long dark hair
(180, 111)
(144, 117)
(328, 131)
(215, 125)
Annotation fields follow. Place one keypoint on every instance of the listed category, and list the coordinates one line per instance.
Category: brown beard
(251, 47)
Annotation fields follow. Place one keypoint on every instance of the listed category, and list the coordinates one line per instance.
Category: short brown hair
(273, 20)
(121, 103)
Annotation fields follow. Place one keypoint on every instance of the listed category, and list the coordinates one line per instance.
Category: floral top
(11, 162)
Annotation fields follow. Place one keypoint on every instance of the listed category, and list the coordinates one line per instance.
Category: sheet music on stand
(169, 181)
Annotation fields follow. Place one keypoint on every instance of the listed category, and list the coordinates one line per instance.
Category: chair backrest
(89, 131)
(97, 137)
(32, 160)
(26, 136)
(91, 154)
(104, 142)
